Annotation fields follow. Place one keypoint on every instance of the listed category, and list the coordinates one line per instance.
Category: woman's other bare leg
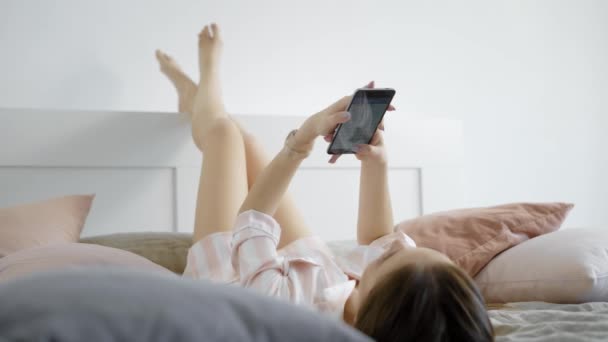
(223, 180)
(288, 215)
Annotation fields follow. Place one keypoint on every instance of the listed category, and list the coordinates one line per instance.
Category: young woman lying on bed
(249, 232)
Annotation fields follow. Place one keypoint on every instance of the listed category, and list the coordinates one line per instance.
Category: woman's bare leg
(288, 216)
(223, 180)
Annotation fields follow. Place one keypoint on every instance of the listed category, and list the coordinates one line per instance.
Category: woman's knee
(220, 131)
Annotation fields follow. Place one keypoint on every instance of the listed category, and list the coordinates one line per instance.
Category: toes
(204, 33)
(161, 56)
(215, 30)
(211, 31)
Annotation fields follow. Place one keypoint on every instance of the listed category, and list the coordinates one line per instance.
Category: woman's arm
(270, 186)
(375, 210)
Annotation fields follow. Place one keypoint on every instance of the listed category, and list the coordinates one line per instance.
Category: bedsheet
(538, 321)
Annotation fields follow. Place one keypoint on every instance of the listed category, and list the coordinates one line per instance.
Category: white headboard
(144, 169)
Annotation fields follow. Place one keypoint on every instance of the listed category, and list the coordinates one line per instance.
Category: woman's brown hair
(436, 302)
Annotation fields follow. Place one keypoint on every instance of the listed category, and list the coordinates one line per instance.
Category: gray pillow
(119, 305)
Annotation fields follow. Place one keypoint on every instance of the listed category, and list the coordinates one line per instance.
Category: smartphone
(367, 108)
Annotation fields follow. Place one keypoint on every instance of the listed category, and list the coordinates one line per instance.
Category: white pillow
(568, 266)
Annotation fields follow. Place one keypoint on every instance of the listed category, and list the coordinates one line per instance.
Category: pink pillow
(42, 223)
(472, 237)
(70, 255)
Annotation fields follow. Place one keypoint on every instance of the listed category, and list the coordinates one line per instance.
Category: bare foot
(186, 88)
(209, 50)
(208, 102)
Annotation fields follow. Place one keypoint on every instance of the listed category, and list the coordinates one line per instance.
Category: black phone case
(350, 151)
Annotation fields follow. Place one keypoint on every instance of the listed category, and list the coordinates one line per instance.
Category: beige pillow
(472, 237)
(42, 223)
(166, 249)
(70, 255)
(568, 266)
(170, 250)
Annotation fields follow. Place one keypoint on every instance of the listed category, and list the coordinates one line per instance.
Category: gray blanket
(115, 305)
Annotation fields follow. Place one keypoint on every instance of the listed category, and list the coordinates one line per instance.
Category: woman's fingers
(339, 106)
(391, 108)
(377, 139)
(331, 122)
(368, 151)
(364, 151)
(334, 158)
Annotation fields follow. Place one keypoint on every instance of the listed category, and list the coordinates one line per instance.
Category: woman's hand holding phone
(325, 123)
(372, 151)
(375, 151)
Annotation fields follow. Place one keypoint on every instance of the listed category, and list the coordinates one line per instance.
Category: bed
(522, 321)
(144, 169)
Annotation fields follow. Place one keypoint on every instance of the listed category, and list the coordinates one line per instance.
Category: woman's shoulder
(355, 259)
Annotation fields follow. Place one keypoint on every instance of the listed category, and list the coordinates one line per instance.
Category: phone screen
(366, 109)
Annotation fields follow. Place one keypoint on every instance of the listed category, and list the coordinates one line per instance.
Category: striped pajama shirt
(305, 272)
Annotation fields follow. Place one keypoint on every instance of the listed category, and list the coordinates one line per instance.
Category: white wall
(529, 78)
